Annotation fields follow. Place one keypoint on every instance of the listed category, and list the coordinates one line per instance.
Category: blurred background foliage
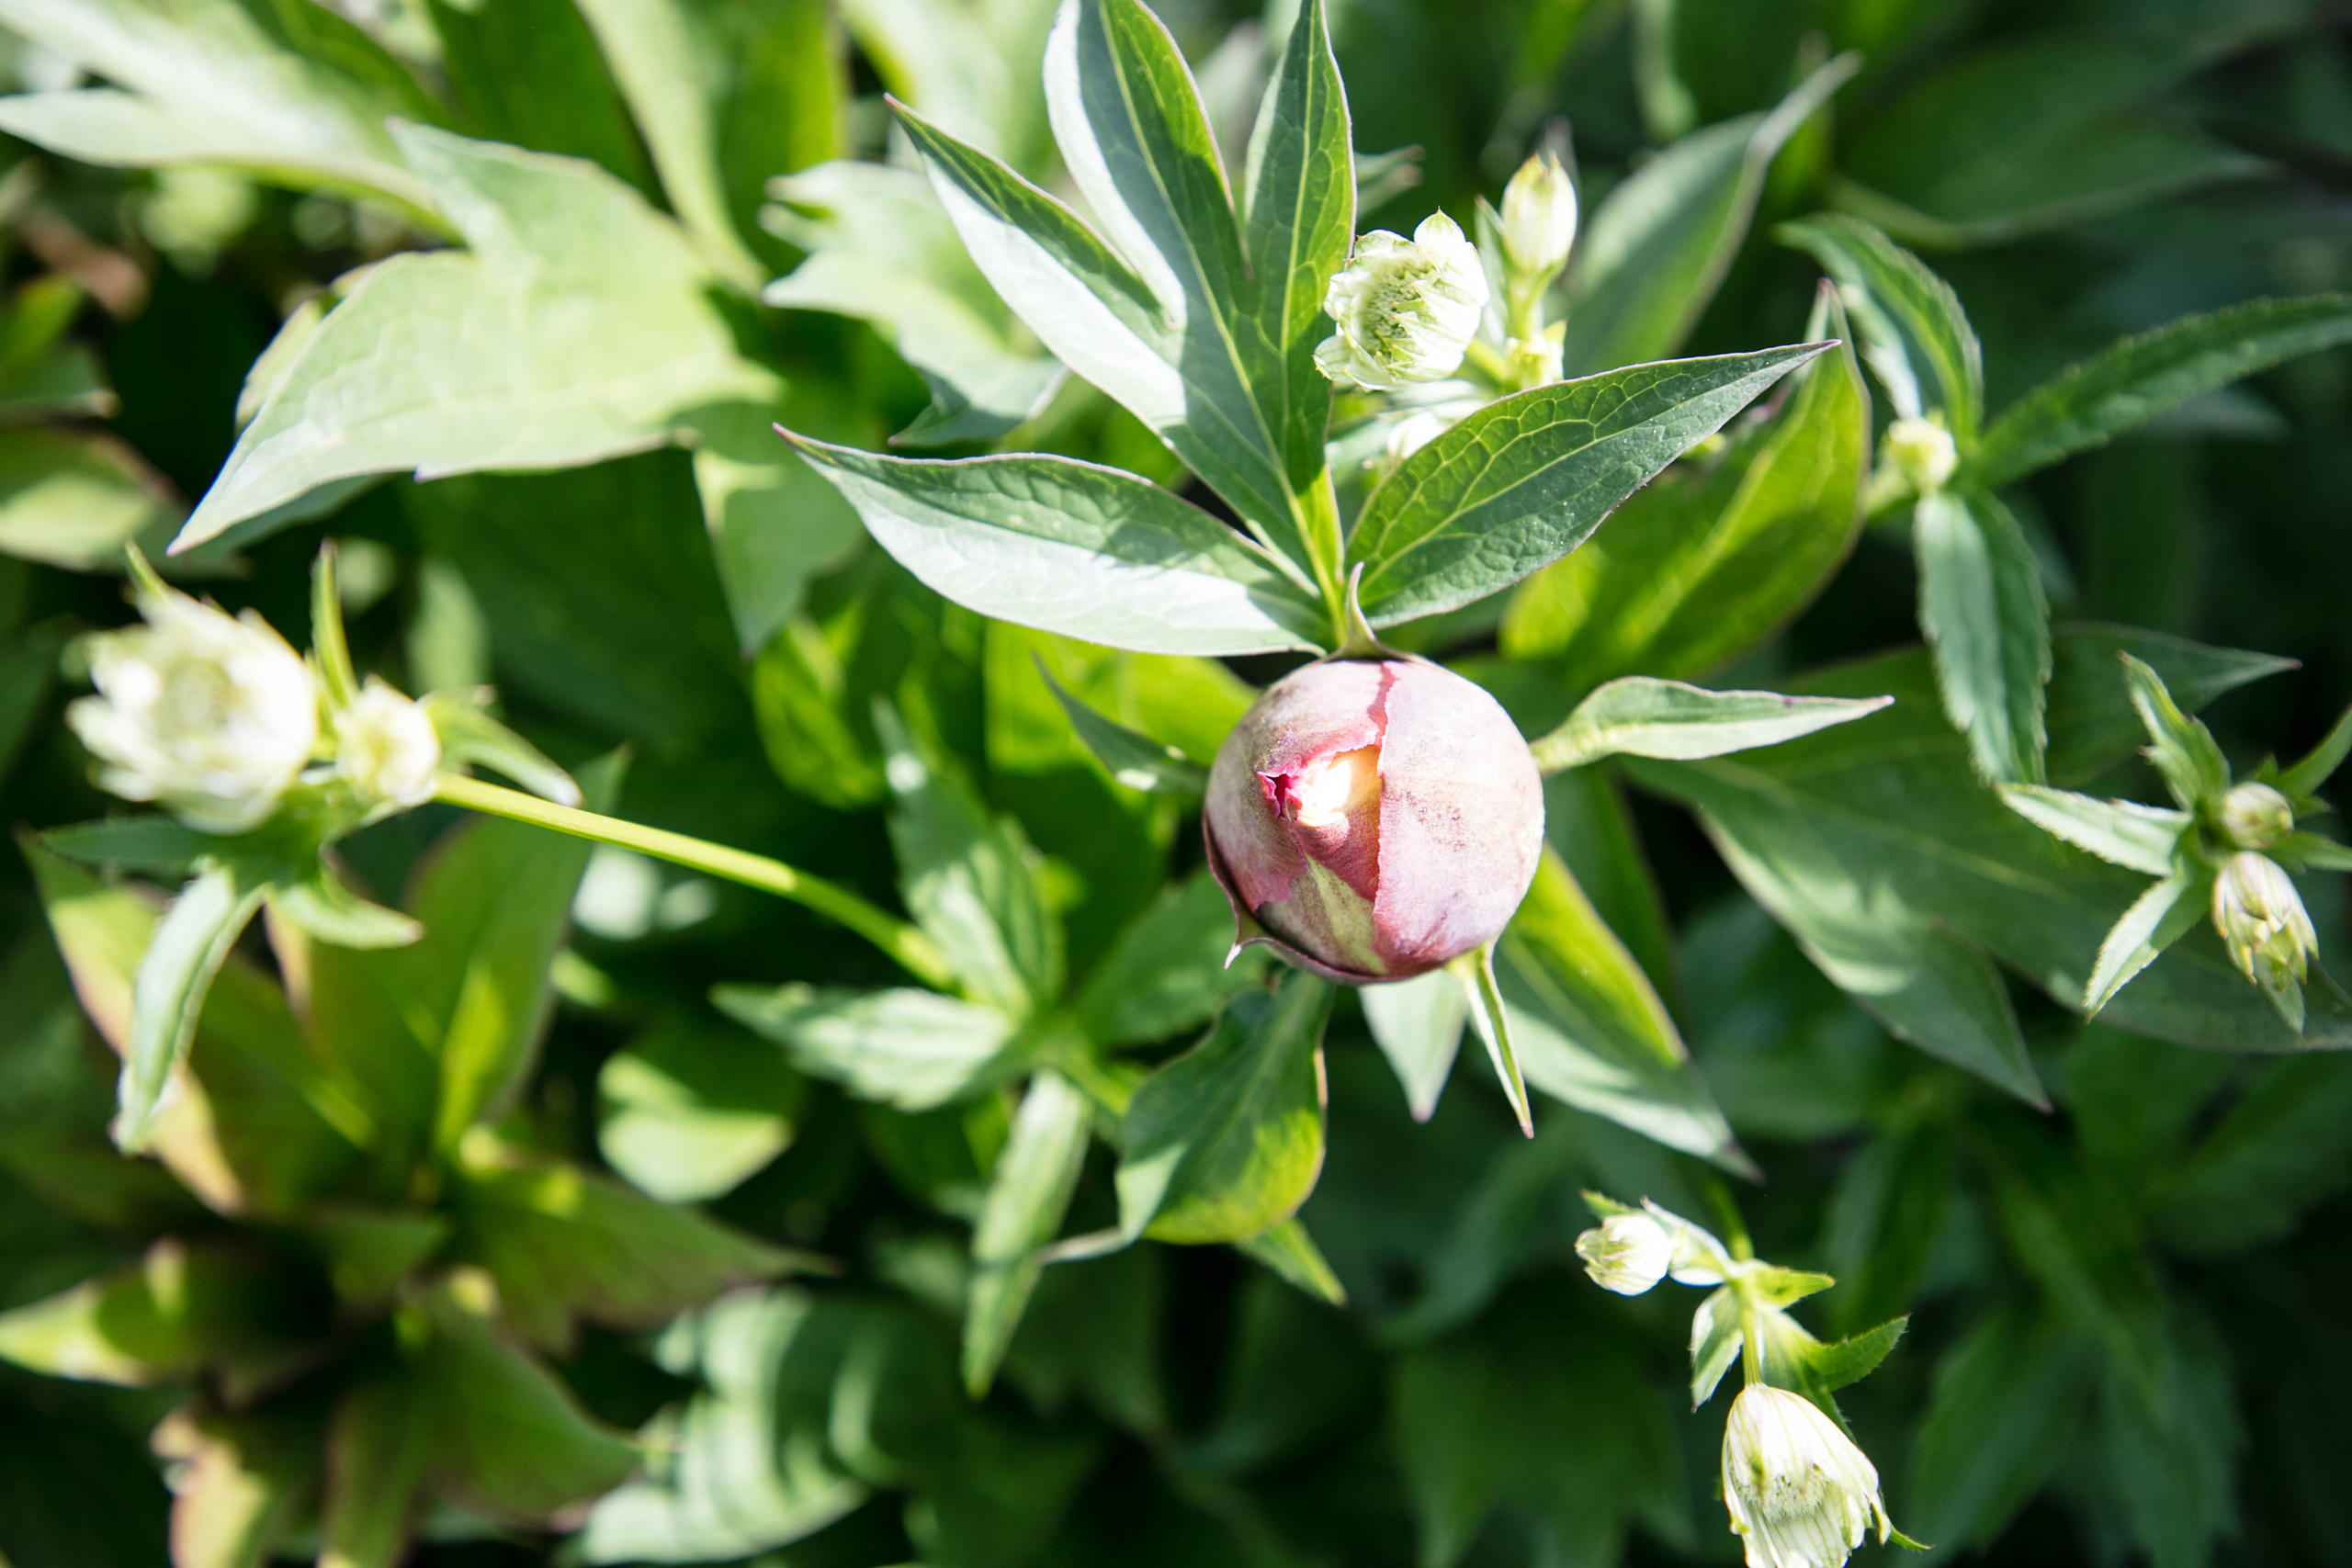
(2131, 1329)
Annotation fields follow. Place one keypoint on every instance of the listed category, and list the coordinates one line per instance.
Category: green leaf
(690, 1109)
(1226, 1140)
(1528, 478)
(440, 1032)
(378, 1442)
(1899, 871)
(293, 93)
(775, 524)
(2004, 1412)
(1417, 1025)
(152, 845)
(1717, 1334)
(1699, 566)
(1298, 212)
(1915, 337)
(970, 881)
(1167, 971)
(1091, 552)
(563, 1245)
(576, 326)
(73, 499)
(2091, 729)
(1137, 145)
(2301, 781)
(470, 737)
(2121, 832)
(1028, 1194)
(1982, 607)
(1592, 1032)
(1135, 761)
(908, 1048)
(528, 73)
(188, 947)
(510, 1441)
(322, 906)
(1291, 1254)
(2136, 378)
(1844, 1361)
(1637, 715)
(2277, 1154)
(183, 1307)
(1657, 246)
(668, 67)
(1096, 313)
(2050, 128)
(880, 248)
(2181, 747)
(237, 1482)
(742, 1464)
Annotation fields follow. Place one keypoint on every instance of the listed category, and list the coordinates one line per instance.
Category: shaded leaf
(1167, 971)
(1028, 1194)
(1982, 607)
(1915, 337)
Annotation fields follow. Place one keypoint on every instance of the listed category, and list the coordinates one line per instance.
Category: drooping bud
(211, 715)
(385, 745)
(1406, 308)
(1627, 1254)
(2262, 922)
(1376, 817)
(1923, 452)
(2253, 816)
(1801, 1493)
(1539, 218)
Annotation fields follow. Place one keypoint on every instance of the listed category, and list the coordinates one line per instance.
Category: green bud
(2254, 816)
(1922, 451)
(1539, 218)
(2262, 922)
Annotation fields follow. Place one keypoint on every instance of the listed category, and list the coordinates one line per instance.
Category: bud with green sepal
(2224, 849)
(1405, 310)
(1921, 453)
(1800, 1492)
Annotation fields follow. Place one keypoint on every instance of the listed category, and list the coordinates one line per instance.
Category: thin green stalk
(1751, 1344)
(914, 952)
(1319, 521)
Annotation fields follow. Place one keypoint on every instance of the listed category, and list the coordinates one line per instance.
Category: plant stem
(1318, 508)
(914, 952)
(1751, 1348)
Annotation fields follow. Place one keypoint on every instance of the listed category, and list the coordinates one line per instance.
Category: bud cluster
(1800, 1493)
(216, 718)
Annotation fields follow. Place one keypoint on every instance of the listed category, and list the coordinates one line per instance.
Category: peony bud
(1407, 309)
(1922, 451)
(1628, 1254)
(385, 745)
(1801, 1493)
(1539, 218)
(211, 715)
(2262, 920)
(1377, 817)
(2253, 816)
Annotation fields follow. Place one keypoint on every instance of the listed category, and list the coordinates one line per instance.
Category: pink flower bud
(1376, 817)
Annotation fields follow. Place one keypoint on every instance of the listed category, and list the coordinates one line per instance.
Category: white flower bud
(1628, 1254)
(1923, 452)
(1539, 218)
(1801, 1493)
(210, 715)
(1407, 309)
(385, 745)
(2262, 920)
(2253, 816)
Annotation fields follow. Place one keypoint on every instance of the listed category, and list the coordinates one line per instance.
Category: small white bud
(1923, 452)
(1539, 218)
(1628, 1254)
(211, 715)
(2262, 920)
(1801, 1493)
(385, 745)
(1536, 361)
(2253, 816)
(1406, 308)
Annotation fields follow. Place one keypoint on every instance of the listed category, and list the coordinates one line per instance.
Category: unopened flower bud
(1536, 361)
(1801, 1493)
(2262, 920)
(1406, 308)
(1539, 218)
(2253, 816)
(211, 715)
(385, 745)
(1377, 817)
(1923, 452)
(1628, 1253)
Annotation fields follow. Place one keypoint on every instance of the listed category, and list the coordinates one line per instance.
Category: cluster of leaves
(541, 276)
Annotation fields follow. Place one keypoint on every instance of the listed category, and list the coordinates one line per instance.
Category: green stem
(1488, 361)
(914, 952)
(1752, 1347)
(1319, 521)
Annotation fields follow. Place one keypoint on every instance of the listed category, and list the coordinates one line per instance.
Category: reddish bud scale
(1375, 817)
